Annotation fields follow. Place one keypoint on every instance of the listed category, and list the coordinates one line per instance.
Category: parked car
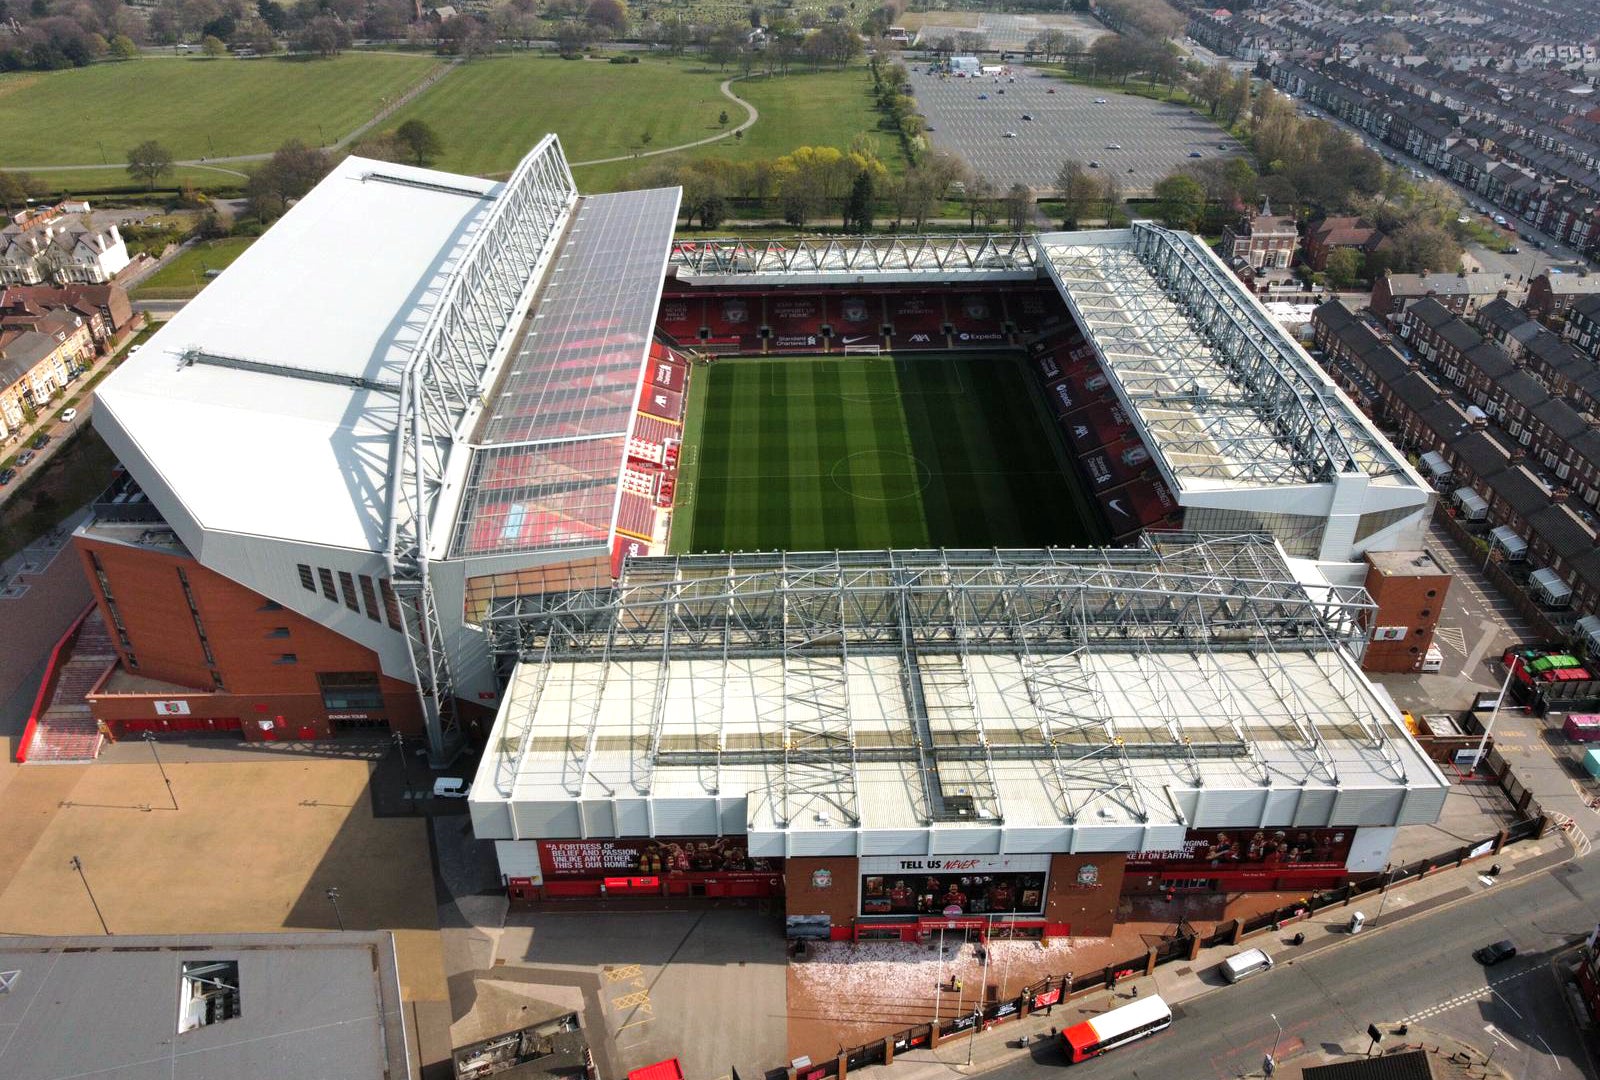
(451, 787)
(1490, 955)
(1094, 164)
(1512, 250)
(24, 457)
(6, 476)
(1113, 146)
(1194, 153)
(1011, 134)
(1102, 101)
(41, 440)
(69, 416)
(1027, 116)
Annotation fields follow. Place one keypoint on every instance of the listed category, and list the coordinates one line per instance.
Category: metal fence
(1181, 944)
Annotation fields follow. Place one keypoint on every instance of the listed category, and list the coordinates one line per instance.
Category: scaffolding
(470, 328)
(963, 632)
(1211, 378)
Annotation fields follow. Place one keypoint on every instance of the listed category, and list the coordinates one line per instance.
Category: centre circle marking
(841, 468)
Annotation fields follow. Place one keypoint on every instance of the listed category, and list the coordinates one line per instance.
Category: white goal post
(866, 350)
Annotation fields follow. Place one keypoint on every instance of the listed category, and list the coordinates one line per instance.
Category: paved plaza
(1154, 137)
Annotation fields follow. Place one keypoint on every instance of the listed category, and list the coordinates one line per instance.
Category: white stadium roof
(281, 425)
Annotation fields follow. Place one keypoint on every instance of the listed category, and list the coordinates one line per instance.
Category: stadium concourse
(441, 500)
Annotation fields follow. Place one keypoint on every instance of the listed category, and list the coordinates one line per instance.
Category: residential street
(1419, 971)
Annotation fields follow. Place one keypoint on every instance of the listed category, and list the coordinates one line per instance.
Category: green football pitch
(872, 452)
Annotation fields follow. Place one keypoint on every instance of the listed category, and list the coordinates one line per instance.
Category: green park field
(195, 107)
(185, 275)
(872, 452)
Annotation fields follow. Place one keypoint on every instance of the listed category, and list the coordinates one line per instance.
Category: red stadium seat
(795, 321)
(855, 320)
(918, 320)
(681, 317)
(976, 318)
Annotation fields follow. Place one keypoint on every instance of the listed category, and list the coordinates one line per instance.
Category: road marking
(1463, 999)
(1453, 636)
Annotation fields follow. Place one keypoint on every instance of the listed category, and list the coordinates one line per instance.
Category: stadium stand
(681, 318)
(1145, 504)
(917, 320)
(650, 475)
(794, 323)
(733, 323)
(977, 318)
(856, 321)
(1035, 311)
(1100, 423)
(1115, 464)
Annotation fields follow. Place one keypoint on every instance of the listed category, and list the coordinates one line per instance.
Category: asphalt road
(1419, 970)
(970, 118)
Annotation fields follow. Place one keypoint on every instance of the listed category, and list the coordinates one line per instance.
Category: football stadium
(753, 567)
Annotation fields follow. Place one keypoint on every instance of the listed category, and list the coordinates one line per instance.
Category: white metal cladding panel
(1108, 838)
(540, 820)
(686, 817)
(735, 817)
(1367, 806)
(1185, 799)
(767, 845)
(1423, 806)
(519, 858)
(1223, 809)
(832, 842)
(1281, 806)
(1163, 837)
(894, 842)
(1316, 808)
(1032, 841)
(633, 817)
(491, 819)
(964, 841)
(598, 820)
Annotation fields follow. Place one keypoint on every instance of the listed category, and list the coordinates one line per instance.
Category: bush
(624, 60)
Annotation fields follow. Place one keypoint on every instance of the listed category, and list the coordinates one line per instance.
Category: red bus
(1112, 1029)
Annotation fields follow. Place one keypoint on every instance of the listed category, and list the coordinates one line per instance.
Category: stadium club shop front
(900, 898)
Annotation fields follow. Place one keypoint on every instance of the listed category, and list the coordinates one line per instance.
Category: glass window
(326, 577)
(348, 585)
(369, 597)
(920, 893)
(306, 582)
(344, 690)
(1300, 534)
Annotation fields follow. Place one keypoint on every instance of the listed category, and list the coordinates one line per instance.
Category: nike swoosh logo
(1116, 504)
(853, 340)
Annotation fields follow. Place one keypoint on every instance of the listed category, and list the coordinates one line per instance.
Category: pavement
(1189, 986)
(1154, 137)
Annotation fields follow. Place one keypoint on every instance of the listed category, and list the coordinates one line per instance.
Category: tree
(421, 142)
(609, 15)
(858, 207)
(722, 118)
(1391, 43)
(1078, 190)
(1179, 201)
(1019, 207)
(149, 162)
(1343, 267)
(123, 48)
(1213, 86)
(16, 188)
(1111, 196)
(970, 41)
(213, 47)
(324, 35)
(293, 170)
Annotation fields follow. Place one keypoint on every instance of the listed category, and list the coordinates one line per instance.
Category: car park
(1490, 955)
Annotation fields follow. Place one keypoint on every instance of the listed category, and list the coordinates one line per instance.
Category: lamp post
(1383, 897)
(977, 1007)
(1272, 1058)
(332, 893)
(150, 740)
(77, 864)
(1505, 688)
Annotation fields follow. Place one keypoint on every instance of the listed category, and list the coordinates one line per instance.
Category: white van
(451, 787)
(1432, 661)
(1244, 964)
